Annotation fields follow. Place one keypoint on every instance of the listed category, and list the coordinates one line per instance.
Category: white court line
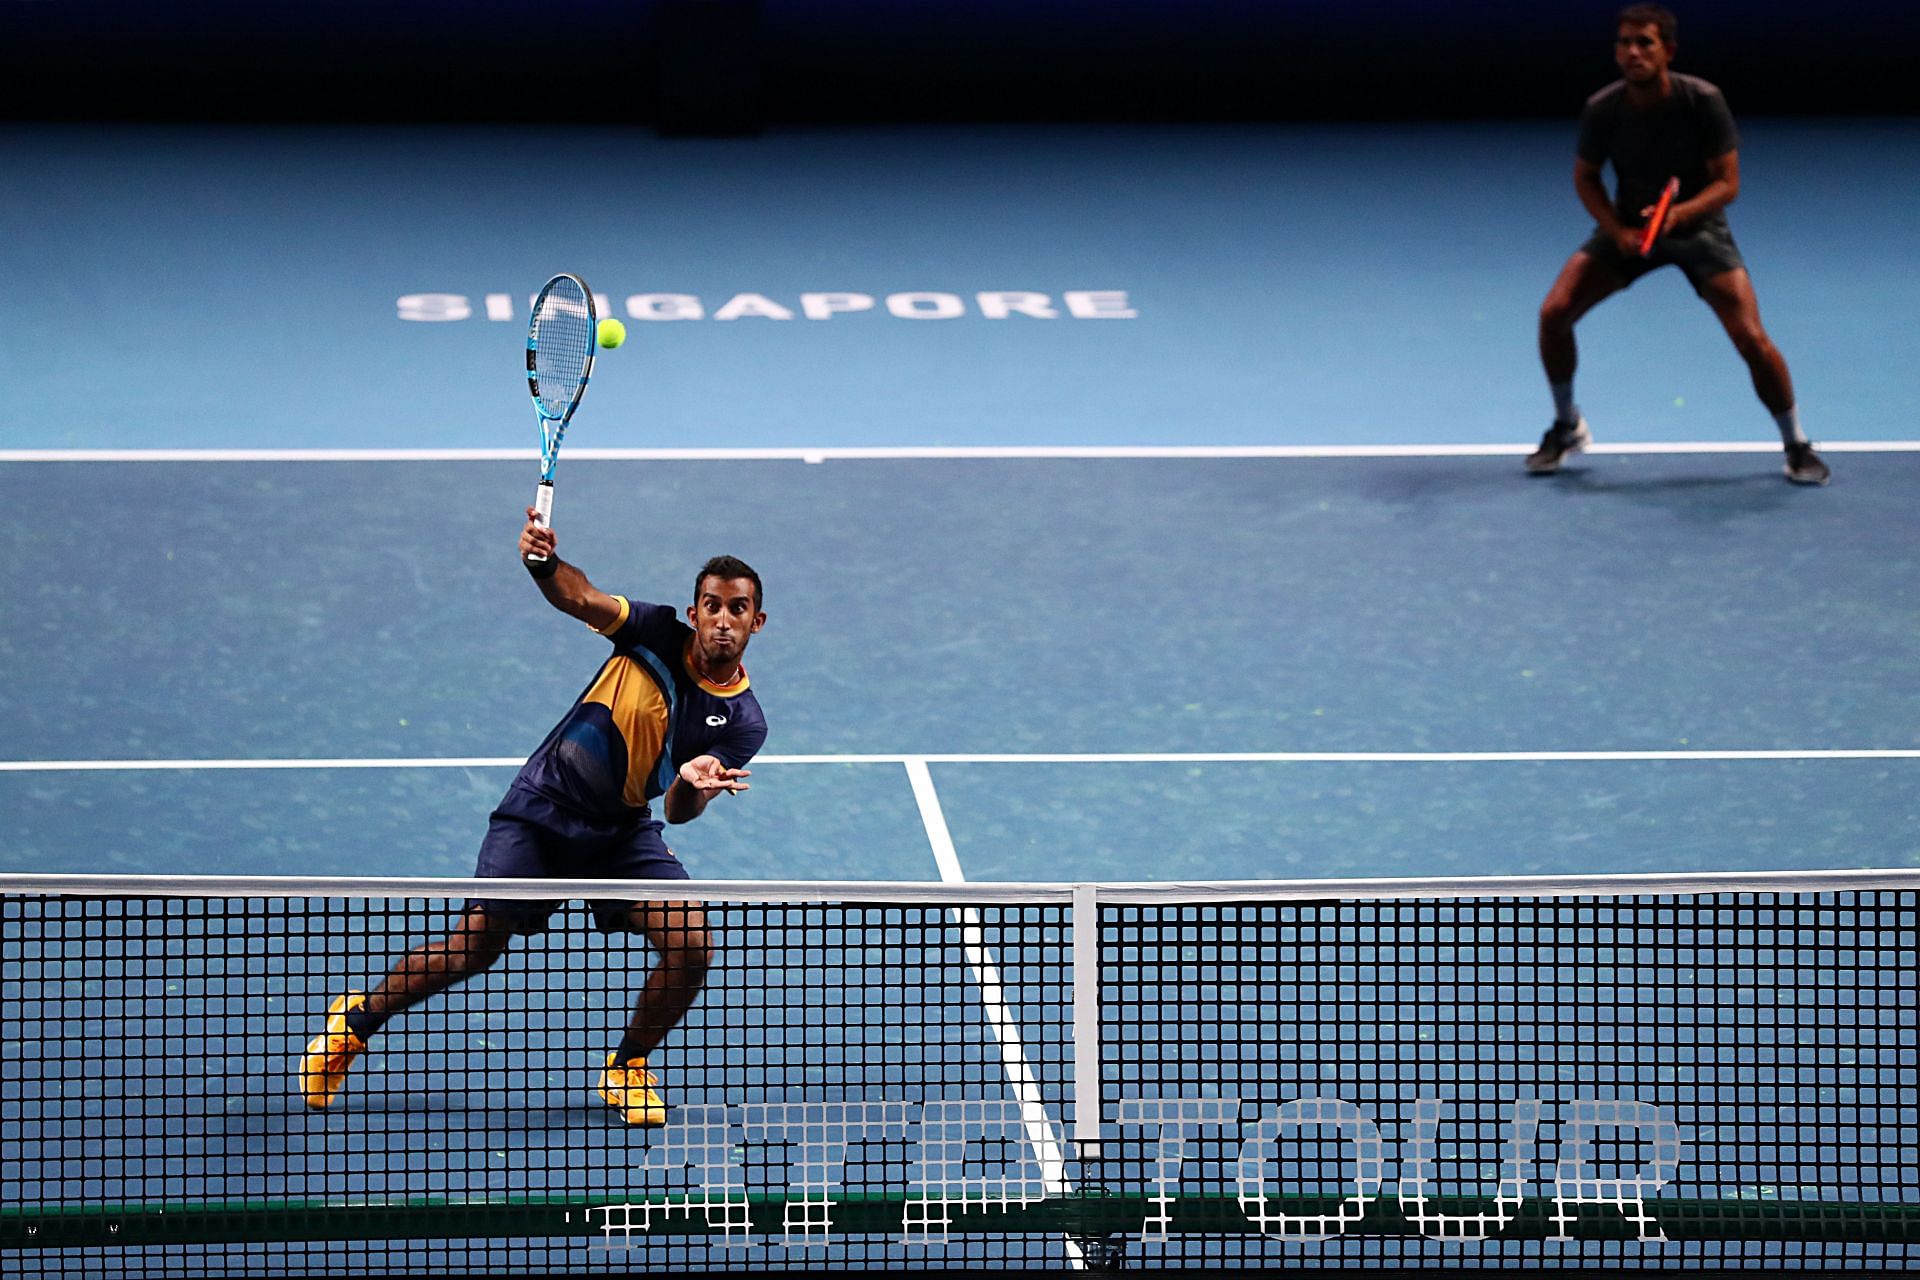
(1387, 757)
(825, 453)
(1116, 757)
(398, 762)
(1045, 1140)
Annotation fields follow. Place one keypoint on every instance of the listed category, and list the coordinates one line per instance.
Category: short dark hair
(1651, 15)
(727, 568)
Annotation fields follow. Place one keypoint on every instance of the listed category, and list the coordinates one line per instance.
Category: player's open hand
(536, 539)
(705, 773)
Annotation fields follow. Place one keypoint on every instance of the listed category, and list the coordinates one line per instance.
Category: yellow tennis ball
(611, 333)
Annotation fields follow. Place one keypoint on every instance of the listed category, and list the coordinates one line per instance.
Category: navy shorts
(526, 850)
(1702, 253)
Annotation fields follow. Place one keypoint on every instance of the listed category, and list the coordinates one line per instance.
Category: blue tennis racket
(560, 342)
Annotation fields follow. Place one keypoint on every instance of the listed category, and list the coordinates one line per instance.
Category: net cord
(1012, 892)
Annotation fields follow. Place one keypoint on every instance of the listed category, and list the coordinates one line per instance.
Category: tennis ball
(611, 333)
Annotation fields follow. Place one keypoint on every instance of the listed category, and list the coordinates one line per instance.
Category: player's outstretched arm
(565, 587)
(701, 779)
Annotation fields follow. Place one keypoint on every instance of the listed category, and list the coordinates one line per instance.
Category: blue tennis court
(373, 613)
(284, 608)
(1129, 512)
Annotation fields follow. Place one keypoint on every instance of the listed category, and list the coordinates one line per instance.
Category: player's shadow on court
(273, 1113)
(1433, 485)
(1709, 496)
(1698, 497)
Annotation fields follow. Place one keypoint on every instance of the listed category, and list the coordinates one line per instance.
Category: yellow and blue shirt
(645, 714)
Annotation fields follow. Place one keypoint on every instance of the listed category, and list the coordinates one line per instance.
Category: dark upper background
(730, 65)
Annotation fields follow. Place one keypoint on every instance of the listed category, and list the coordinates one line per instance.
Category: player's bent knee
(480, 939)
(691, 953)
(1752, 343)
(474, 953)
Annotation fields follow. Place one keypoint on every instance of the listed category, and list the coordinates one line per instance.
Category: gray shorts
(1702, 252)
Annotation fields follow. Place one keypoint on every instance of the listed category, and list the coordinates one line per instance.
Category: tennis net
(1665, 1073)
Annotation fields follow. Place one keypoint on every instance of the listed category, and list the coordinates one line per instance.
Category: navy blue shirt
(644, 715)
(1674, 138)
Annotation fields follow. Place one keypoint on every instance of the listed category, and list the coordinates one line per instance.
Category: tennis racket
(560, 341)
(1658, 221)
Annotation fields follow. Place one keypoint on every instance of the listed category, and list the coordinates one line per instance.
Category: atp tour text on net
(991, 304)
(698, 1166)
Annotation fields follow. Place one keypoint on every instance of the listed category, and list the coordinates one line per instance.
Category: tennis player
(670, 716)
(1653, 124)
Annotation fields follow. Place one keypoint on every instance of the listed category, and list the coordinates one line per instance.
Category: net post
(1086, 1021)
(1095, 1246)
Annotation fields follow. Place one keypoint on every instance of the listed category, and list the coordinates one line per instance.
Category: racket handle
(1657, 223)
(542, 513)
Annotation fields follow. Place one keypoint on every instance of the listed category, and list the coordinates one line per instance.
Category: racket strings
(563, 344)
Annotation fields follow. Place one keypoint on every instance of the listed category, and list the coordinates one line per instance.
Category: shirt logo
(716, 721)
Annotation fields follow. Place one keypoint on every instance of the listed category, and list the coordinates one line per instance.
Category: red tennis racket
(1657, 223)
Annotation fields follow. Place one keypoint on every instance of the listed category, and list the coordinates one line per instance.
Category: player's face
(1640, 53)
(723, 618)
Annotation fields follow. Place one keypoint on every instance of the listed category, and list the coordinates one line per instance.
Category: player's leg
(1730, 294)
(683, 953)
(477, 940)
(484, 930)
(1588, 279)
(513, 848)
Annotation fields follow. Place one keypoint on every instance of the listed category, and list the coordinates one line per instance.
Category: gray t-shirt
(1673, 139)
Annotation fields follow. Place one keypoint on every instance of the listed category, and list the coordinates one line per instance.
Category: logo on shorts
(716, 721)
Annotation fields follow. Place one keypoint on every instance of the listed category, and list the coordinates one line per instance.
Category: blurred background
(739, 65)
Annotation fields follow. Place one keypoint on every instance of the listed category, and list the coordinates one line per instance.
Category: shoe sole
(317, 1101)
(648, 1120)
(330, 1082)
(1579, 445)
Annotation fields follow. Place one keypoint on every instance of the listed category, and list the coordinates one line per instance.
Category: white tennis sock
(1564, 409)
(1789, 424)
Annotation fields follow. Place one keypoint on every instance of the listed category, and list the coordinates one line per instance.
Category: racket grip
(1658, 223)
(542, 513)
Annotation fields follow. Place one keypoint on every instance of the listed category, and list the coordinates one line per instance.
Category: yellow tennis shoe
(629, 1089)
(323, 1068)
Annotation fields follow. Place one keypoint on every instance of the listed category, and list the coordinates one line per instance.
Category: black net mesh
(1667, 1082)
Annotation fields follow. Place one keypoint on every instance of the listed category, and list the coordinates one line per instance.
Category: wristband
(543, 569)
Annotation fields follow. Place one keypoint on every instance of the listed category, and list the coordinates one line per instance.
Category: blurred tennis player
(1656, 125)
(669, 716)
